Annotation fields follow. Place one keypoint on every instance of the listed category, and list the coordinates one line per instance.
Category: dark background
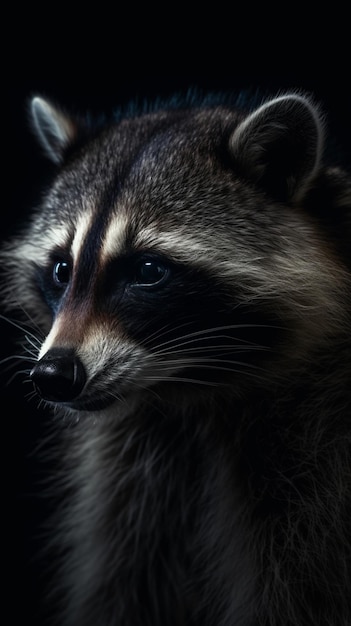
(81, 72)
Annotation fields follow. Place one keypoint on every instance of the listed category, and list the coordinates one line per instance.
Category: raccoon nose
(59, 376)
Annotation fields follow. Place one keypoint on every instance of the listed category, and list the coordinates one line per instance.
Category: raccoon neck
(141, 529)
(163, 496)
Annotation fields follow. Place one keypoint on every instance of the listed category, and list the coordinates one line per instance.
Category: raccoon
(186, 278)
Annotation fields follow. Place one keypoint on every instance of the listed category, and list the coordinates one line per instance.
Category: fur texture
(187, 281)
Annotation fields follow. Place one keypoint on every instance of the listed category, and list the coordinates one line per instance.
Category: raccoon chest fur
(146, 529)
(184, 287)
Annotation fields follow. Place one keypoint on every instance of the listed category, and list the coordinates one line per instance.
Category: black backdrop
(86, 77)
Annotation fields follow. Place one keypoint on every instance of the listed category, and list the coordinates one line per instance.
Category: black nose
(59, 376)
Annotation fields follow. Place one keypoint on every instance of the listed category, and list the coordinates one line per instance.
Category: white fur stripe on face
(84, 224)
(148, 238)
(114, 238)
(51, 339)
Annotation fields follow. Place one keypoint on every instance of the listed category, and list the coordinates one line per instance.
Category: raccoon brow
(59, 254)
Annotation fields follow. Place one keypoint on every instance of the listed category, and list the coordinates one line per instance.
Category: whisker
(214, 365)
(32, 396)
(212, 333)
(34, 323)
(22, 326)
(165, 329)
(228, 366)
(206, 363)
(207, 349)
(180, 379)
(12, 365)
(16, 374)
(30, 348)
(36, 345)
(31, 321)
(141, 386)
(116, 396)
(17, 357)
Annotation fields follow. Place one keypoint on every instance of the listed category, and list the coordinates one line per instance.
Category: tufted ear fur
(279, 145)
(54, 129)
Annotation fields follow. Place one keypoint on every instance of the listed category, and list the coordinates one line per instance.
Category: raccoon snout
(59, 376)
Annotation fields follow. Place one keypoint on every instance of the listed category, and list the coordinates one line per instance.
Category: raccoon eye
(61, 273)
(149, 273)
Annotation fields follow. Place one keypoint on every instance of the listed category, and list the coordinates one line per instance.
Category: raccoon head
(173, 252)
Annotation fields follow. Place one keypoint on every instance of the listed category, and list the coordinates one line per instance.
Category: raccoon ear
(54, 129)
(279, 145)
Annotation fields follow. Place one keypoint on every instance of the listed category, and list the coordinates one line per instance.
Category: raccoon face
(173, 250)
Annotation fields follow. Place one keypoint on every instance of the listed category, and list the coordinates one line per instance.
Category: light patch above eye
(114, 238)
(55, 238)
(84, 224)
(177, 245)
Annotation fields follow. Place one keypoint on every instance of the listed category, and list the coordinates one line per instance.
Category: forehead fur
(175, 144)
(147, 174)
(164, 181)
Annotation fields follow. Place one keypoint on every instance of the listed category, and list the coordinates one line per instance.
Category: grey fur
(54, 129)
(221, 500)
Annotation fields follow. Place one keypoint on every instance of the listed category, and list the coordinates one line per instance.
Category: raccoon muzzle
(59, 376)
